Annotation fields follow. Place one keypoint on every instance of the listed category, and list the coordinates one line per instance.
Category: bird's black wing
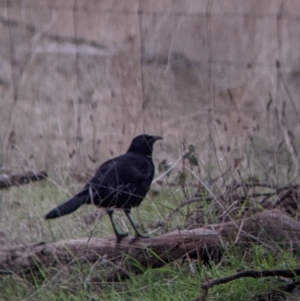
(122, 181)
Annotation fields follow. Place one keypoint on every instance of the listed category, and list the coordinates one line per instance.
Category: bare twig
(251, 273)
(161, 176)
(192, 200)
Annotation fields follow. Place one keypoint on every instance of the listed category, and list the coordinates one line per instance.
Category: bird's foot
(121, 236)
(141, 236)
(138, 236)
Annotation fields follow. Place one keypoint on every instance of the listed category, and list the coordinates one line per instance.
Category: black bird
(121, 182)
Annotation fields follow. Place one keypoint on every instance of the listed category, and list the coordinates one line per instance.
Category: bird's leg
(137, 233)
(119, 236)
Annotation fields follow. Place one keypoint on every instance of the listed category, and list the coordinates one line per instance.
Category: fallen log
(7, 181)
(202, 244)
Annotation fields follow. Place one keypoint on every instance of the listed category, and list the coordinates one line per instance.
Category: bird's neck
(147, 152)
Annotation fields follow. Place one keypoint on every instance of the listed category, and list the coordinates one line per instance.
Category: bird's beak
(156, 138)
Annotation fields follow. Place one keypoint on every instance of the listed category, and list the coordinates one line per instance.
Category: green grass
(21, 222)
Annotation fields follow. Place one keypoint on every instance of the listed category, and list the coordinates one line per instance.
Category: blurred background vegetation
(79, 79)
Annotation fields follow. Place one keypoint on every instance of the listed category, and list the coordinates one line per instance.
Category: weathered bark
(149, 252)
(7, 181)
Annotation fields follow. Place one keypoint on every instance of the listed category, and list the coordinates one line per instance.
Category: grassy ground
(21, 222)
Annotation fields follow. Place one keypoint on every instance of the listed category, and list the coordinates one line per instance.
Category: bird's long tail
(70, 205)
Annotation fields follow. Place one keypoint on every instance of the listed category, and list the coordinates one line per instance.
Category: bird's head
(143, 144)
